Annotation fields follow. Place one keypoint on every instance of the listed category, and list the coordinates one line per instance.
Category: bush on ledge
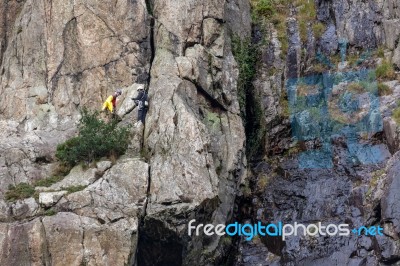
(96, 139)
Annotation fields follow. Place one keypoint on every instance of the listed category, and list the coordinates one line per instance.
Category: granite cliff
(221, 139)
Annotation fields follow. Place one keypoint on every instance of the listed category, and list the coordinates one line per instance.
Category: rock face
(363, 24)
(194, 135)
(189, 159)
(59, 43)
(390, 208)
(57, 57)
(390, 127)
(349, 191)
(269, 92)
(51, 66)
(95, 226)
(48, 199)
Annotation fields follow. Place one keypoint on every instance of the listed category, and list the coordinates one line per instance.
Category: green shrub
(306, 8)
(318, 29)
(20, 191)
(50, 212)
(303, 30)
(355, 87)
(68, 152)
(74, 189)
(46, 182)
(385, 71)
(396, 115)
(96, 139)
(264, 8)
(245, 55)
(384, 89)
(306, 15)
(251, 109)
(380, 52)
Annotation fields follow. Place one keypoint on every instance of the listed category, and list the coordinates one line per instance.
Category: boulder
(391, 201)
(79, 176)
(120, 193)
(391, 130)
(89, 242)
(48, 199)
(24, 208)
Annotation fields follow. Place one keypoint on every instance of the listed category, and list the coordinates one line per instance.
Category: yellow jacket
(110, 103)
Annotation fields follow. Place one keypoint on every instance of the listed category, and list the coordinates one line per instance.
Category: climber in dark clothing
(142, 103)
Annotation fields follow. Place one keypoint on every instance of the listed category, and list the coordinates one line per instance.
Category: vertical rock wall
(350, 192)
(59, 56)
(194, 136)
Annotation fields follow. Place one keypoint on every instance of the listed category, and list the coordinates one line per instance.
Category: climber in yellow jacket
(111, 101)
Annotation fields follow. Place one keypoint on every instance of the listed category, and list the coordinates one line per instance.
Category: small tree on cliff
(95, 139)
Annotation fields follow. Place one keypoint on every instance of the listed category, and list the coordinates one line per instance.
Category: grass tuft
(384, 90)
(385, 71)
(19, 191)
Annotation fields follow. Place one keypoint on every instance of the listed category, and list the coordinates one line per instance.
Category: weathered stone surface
(89, 242)
(127, 104)
(105, 232)
(390, 250)
(103, 166)
(26, 157)
(174, 101)
(387, 104)
(120, 193)
(392, 32)
(56, 57)
(353, 21)
(24, 208)
(48, 199)
(391, 133)
(269, 90)
(194, 135)
(63, 64)
(78, 177)
(135, 146)
(390, 202)
(329, 40)
(23, 244)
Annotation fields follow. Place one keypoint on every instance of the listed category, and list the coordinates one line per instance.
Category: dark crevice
(136, 249)
(117, 219)
(47, 253)
(43, 160)
(150, 7)
(391, 261)
(101, 221)
(158, 244)
(219, 20)
(70, 25)
(147, 192)
(152, 48)
(214, 103)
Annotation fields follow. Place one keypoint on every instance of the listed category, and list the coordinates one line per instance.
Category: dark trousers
(142, 114)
